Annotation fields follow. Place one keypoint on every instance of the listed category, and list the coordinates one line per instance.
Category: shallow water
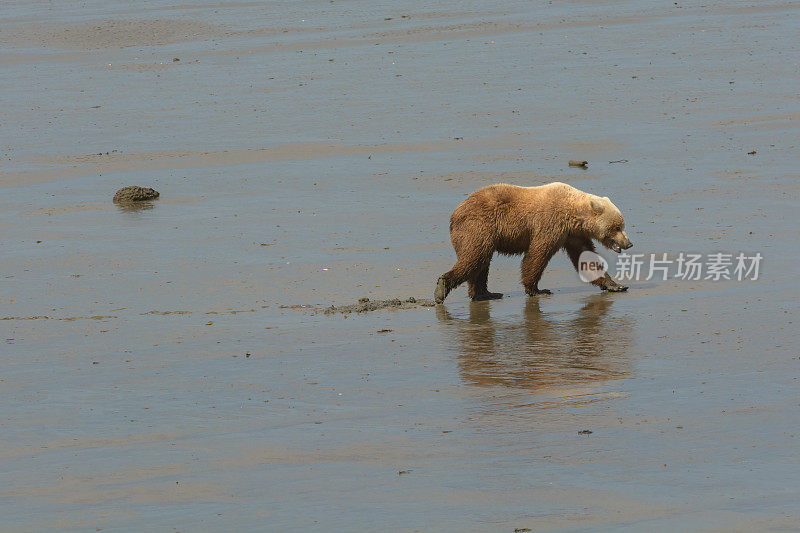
(169, 366)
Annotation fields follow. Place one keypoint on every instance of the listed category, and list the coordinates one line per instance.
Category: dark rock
(135, 194)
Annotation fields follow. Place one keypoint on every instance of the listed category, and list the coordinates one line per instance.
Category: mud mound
(134, 194)
(365, 305)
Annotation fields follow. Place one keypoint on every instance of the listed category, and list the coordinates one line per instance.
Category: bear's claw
(535, 292)
(487, 296)
(441, 290)
(615, 288)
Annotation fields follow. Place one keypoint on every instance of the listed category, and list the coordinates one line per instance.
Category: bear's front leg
(533, 265)
(575, 247)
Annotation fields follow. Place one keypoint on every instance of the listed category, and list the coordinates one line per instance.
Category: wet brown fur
(535, 221)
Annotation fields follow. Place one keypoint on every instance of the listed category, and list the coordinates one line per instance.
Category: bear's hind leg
(470, 264)
(533, 265)
(450, 280)
(478, 286)
(442, 289)
(473, 253)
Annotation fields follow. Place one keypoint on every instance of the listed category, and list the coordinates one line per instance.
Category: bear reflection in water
(545, 350)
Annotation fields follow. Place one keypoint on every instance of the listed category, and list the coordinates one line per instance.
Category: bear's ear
(597, 205)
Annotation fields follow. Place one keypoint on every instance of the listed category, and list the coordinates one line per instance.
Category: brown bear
(535, 221)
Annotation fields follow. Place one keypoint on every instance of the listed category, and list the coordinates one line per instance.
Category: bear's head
(607, 224)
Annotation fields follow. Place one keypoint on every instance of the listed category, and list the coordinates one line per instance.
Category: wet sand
(170, 366)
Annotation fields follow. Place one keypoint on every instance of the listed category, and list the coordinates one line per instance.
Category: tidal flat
(167, 367)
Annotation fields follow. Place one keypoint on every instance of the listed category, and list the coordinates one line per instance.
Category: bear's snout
(625, 242)
(620, 244)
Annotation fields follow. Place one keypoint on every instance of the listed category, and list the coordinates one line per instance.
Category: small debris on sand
(578, 163)
(585, 432)
(366, 305)
(135, 194)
